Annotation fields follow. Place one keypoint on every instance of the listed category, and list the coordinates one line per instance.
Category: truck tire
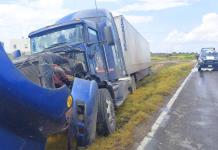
(106, 122)
(71, 141)
(133, 84)
(149, 71)
(199, 69)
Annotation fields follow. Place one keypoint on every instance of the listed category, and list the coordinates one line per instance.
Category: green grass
(138, 108)
(170, 57)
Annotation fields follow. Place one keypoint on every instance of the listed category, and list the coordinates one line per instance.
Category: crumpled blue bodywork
(85, 94)
(29, 113)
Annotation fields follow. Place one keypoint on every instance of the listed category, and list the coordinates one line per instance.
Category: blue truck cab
(208, 59)
(97, 38)
(72, 82)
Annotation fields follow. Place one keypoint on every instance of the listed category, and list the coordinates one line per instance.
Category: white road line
(163, 114)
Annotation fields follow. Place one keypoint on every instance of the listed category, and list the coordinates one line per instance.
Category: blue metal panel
(85, 93)
(16, 54)
(27, 110)
(10, 141)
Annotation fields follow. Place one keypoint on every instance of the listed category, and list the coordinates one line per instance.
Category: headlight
(69, 101)
(69, 112)
(200, 60)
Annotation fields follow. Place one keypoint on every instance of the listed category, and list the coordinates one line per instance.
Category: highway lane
(192, 122)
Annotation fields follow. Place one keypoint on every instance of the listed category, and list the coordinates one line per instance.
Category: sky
(168, 25)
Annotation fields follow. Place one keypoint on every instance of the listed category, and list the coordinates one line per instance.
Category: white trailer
(135, 48)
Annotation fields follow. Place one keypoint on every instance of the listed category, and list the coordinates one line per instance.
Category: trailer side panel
(135, 48)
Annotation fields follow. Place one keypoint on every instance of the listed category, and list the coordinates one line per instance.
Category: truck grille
(211, 61)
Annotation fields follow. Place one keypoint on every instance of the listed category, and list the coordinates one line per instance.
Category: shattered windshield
(68, 35)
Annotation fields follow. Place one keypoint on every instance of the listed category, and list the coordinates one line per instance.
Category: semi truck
(80, 70)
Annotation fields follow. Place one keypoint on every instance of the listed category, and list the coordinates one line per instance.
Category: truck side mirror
(16, 54)
(109, 35)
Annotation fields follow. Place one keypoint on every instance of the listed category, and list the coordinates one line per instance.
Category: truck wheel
(133, 84)
(149, 71)
(71, 141)
(106, 122)
(199, 69)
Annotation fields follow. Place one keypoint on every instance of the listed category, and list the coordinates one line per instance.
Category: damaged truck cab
(88, 42)
(81, 68)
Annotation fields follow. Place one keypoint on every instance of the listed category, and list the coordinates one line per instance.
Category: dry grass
(57, 142)
(138, 108)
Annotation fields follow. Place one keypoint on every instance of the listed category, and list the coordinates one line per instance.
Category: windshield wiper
(54, 45)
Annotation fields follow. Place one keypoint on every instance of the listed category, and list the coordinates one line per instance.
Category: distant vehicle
(208, 59)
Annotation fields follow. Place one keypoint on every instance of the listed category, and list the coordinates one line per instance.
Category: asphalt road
(192, 123)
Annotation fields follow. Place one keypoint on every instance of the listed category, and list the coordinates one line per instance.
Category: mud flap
(85, 95)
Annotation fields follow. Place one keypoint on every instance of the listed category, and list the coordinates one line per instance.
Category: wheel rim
(110, 112)
(133, 83)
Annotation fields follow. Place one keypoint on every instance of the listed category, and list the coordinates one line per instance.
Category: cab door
(96, 55)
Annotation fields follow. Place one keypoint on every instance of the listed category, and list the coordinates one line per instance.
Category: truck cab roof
(85, 14)
(82, 17)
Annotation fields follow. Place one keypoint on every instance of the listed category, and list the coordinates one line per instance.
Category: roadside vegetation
(157, 57)
(140, 106)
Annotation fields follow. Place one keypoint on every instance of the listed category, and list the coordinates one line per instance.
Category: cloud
(155, 5)
(19, 19)
(207, 31)
(135, 19)
(138, 19)
(106, 0)
(203, 35)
